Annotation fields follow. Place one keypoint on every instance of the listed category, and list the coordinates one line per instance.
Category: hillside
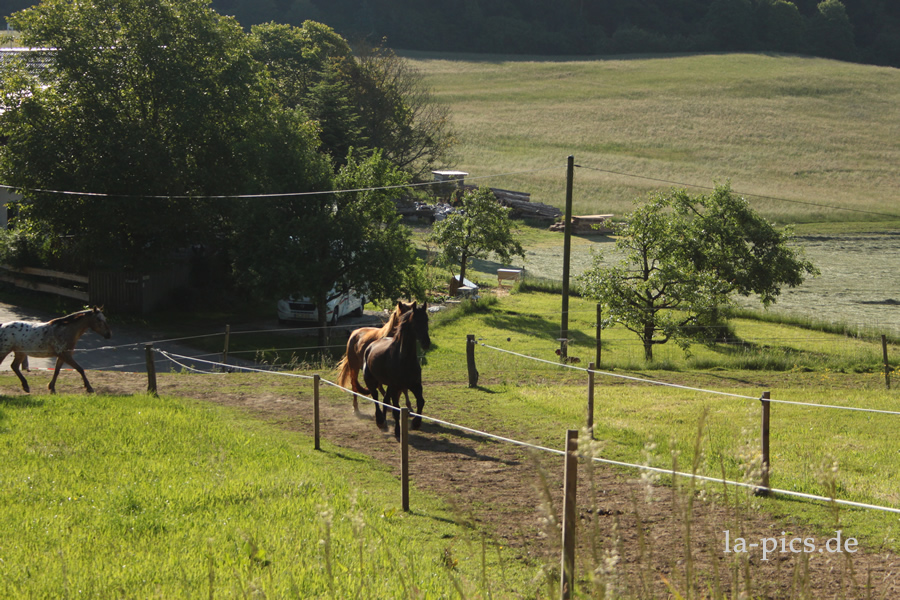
(810, 140)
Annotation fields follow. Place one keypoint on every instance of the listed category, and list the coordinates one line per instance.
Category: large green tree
(152, 107)
(325, 244)
(685, 256)
(373, 99)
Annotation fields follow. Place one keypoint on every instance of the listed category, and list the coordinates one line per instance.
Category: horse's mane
(69, 319)
(388, 328)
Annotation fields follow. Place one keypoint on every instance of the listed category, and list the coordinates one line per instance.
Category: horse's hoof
(89, 390)
(416, 423)
(27, 389)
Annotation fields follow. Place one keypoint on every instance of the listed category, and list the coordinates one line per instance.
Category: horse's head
(399, 310)
(419, 321)
(99, 324)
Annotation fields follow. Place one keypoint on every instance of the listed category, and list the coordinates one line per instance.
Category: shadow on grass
(20, 401)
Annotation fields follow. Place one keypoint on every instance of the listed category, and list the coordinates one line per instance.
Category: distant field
(800, 131)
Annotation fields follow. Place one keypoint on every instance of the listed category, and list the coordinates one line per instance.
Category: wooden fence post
(570, 516)
(227, 338)
(590, 403)
(316, 409)
(765, 445)
(599, 319)
(151, 369)
(404, 457)
(470, 361)
(887, 366)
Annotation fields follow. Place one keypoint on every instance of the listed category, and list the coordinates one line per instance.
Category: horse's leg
(52, 385)
(420, 404)
(380, 415)
(67, 357)
(394, 394)
(18, 357)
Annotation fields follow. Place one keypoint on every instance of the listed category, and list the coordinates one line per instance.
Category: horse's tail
(348, 379)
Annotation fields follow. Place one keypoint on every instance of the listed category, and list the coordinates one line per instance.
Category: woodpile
(523, 208)
(519, 202)
(587, 225)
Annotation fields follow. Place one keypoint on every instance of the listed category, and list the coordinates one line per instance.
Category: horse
(352, 361)
(392, 362)
(53, 338)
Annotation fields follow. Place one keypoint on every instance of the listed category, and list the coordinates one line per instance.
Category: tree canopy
(162, 125)
(684, 258)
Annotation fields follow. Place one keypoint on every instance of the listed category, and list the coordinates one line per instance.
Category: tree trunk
(321, 308)
(647, 338)
(462, 269)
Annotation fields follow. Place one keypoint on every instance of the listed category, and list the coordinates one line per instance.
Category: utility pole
(567, 251)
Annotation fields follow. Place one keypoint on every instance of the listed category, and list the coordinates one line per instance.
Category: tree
(151, 107)
(730, 22)
(781, 25)
(684, 258)
(400, 115)
(375, 100)
(478, 228)
(316, 245)
(830, 32)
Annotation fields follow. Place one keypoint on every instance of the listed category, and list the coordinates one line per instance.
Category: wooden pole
(316, 410)
(887, 366)
(765, 445)
(570, 516)
(151, 369)
(599, 351)
(404, 457)
(590, 403)
(227, 338)
(470, 361)
(567, 251)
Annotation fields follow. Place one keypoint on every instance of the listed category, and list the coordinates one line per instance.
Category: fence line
(689, 388)
(672, 472)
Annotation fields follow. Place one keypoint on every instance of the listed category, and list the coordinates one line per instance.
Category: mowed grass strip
(801, 129)
(135, 496)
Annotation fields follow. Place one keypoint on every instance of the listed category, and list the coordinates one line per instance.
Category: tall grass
(796, 132)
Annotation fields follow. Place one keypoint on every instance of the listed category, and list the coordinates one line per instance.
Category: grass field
(802, 131)
(144, 497)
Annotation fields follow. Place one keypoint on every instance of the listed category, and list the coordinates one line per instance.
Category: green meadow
(144, 497)
(799, 132)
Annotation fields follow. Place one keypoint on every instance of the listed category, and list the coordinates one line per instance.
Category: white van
(304, 309)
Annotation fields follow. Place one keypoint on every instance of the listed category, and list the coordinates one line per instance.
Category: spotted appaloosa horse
(53, 338)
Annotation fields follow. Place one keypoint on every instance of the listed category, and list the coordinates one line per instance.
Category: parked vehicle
(292, 310)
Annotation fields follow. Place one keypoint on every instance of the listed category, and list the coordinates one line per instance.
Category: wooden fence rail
(76, 288)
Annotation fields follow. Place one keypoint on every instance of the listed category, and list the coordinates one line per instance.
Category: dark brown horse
(392, 366)
(56, 338)
(352, 362)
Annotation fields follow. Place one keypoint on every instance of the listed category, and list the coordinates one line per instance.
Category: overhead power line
(265, 196)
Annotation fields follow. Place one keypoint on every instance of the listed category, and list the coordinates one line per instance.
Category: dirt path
(497, 486)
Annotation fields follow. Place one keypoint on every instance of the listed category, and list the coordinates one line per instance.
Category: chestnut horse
(393, 363)
(352, 362)
(56, 338)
